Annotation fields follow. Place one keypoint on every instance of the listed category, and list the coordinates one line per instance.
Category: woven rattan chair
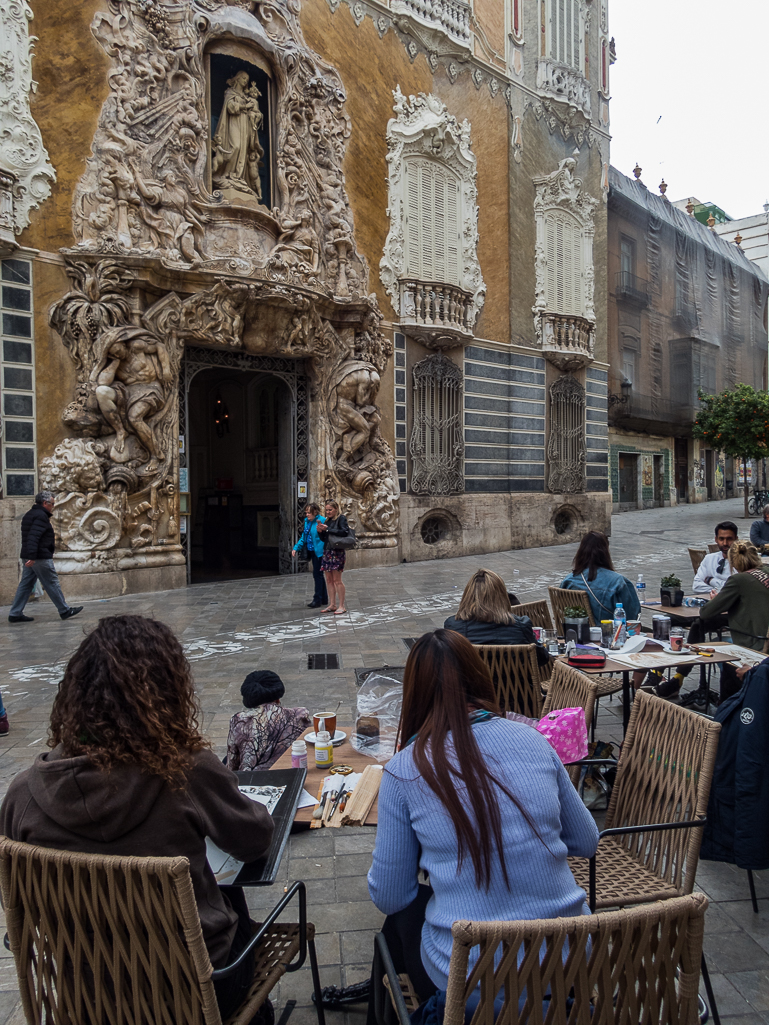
(108, 940)
(631, 966)
(649, 850)
(562, 598)
(537, 611)
(569, 688)
(515, 675)
(697, 555)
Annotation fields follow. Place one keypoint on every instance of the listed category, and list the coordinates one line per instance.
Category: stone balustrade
(450, 16)
(563, 83)
(442, 315)
(567, 342)
(264, 465)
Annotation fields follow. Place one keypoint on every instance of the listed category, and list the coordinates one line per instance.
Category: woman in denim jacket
(595, 575)
(315, 544)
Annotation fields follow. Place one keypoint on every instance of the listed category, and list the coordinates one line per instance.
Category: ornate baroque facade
(227, 176)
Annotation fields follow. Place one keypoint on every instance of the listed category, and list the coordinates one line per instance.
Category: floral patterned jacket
(259, 736)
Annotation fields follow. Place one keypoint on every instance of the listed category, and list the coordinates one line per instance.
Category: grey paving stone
(754, 986)
(734, 952)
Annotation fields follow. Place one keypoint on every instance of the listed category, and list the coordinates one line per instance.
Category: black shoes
(21, 619)
(71, 612)
(314, 604)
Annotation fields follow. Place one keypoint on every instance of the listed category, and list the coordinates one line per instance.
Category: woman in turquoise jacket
(595, 575)
(315, 544)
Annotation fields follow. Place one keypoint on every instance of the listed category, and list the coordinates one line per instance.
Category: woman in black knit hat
(260, 734)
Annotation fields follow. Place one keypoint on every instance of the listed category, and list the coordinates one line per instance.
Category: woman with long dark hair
(593, 572)
(481, 804)
(129, 773)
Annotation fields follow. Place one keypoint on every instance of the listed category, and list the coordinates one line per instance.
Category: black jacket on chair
(37, 537)
(519, 632)
(737, 829)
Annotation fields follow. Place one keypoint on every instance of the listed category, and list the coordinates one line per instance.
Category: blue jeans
(44, 571)
(321, 594)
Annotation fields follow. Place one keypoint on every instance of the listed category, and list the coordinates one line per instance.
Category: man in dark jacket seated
(37, 547)
(759, 530)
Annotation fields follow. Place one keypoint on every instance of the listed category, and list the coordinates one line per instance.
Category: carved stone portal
(163, 261)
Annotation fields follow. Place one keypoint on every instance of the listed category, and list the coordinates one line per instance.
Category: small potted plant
(670, 591)
(576, 620)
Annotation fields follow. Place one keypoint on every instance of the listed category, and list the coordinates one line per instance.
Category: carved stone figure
(131, 381)
(237, 154)
(298, 245)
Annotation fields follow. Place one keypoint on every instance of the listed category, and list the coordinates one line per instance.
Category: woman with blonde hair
(745, 599)
(332, 563)
(485, 616)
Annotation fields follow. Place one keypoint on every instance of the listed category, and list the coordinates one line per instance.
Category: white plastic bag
(379, 711)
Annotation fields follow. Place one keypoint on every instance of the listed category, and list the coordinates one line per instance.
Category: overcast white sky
(689, 98)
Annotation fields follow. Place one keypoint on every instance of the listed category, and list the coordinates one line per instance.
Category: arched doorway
(240, 459)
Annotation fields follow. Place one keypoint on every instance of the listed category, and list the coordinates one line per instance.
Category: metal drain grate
(409, 642)
(320, 661)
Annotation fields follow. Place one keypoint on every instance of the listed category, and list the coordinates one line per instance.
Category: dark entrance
(682, 468)
(628, 481)
(239, 456)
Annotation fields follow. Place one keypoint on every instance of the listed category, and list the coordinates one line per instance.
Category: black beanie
(260, 687)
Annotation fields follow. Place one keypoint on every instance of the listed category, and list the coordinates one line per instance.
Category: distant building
(687, 310)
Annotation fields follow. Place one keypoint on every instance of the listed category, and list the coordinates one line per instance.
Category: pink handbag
(566, 732)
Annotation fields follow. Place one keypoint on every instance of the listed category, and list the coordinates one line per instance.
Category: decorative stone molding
(26, 173)
(437, 441)
(569, 122)
(144, 190)
(441, 26)
(444, 312)
(564, 314)
(563, 84)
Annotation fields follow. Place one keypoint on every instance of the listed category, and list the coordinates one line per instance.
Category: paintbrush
(342, 790)
(318, 813)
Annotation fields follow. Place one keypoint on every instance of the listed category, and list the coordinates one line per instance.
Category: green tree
(735, 422)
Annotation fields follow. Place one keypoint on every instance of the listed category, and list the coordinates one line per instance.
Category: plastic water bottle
(620, 626)
(641, 588)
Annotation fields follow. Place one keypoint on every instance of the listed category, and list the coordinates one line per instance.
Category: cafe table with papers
(344, 755)
(629, 660)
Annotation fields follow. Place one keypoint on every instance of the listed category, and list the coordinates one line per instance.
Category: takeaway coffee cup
(676, 639)
(330, 721)
(661, 628)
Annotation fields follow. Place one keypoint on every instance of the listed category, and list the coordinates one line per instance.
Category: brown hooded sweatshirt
(70, 804)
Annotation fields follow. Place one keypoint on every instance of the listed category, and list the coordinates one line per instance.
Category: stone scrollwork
(443, 312)
(563, 84)
(26, 173)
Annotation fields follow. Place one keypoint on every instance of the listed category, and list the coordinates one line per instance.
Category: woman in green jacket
(745, 599)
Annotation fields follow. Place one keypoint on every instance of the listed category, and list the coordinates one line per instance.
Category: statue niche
(241, 148)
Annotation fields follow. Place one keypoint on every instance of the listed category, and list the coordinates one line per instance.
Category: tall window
(565, 290)
(432, 222)
(627, 260)
(18, 380)
(566, 444)
(437, 445)
(565, 33)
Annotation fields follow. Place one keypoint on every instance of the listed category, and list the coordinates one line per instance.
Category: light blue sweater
(415, 832)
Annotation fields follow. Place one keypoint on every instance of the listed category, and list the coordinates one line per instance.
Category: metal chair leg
(316, 983)
(752, 890)
(709, 991)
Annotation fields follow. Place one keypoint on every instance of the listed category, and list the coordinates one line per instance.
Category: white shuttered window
(432, 222)
(563, 239)
(565, 32)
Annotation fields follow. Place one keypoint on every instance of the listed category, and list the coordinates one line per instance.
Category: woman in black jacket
(484, 615)
(332, 563)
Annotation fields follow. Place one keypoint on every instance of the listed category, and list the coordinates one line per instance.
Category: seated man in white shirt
(714, 569)
(713, 573)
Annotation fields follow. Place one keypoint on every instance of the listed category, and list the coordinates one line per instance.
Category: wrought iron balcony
(567, 342)
(441, 316)
(632, 289)
(450, 17)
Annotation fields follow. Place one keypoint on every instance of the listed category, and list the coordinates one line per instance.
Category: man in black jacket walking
(37, 547)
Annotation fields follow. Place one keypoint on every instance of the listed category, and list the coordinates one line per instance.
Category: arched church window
(240, 104)
(437, 444)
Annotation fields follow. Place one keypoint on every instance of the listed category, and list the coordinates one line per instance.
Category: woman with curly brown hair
(129, 773)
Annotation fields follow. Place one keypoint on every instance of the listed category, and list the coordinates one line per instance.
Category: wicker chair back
(515, 675)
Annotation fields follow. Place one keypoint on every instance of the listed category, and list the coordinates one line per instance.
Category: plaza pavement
(231, 628)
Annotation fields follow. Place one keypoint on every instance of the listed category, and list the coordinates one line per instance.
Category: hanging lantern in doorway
(221, 417)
